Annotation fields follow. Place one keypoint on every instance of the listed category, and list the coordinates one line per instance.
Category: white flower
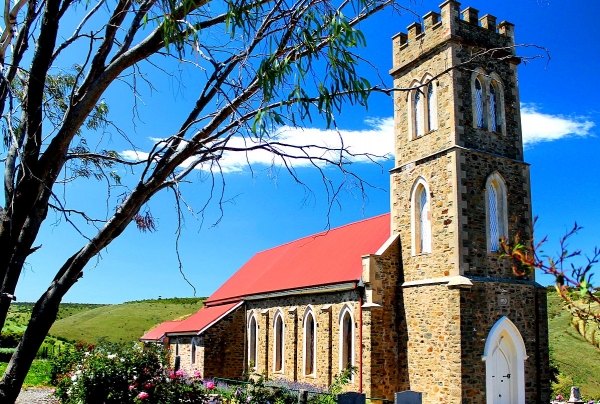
(112, 356)
(87, 354)
(74, 378)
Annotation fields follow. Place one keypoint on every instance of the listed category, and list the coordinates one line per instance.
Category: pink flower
(148, 385)
(180, 373)
(210, 385)
(172, 375)
(131, 387)
(143, 395)
(559, 397)
(196, 374)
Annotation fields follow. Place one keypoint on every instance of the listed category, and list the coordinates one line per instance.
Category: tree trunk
(43, 316)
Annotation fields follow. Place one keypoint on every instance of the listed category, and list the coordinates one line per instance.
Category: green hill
(20, 313)
(125, 322)
(577, 360)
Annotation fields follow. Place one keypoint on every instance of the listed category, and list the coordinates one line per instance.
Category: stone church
(416, 299)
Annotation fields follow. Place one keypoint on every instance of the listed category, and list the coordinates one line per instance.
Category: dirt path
(37, 395)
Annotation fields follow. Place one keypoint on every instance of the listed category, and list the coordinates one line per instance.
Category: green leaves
(317, 57)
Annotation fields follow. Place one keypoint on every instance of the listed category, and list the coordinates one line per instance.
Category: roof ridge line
(322, 232)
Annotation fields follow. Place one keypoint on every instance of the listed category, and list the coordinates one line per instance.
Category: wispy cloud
(540, 127)
(376, 142)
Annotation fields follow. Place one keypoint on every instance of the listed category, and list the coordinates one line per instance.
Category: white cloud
(374, 143)
(540, 127)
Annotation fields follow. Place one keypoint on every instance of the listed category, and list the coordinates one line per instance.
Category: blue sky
(264, 208)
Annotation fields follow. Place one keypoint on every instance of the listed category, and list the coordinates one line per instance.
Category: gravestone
(351, 398)
(408, 397)
(575, 395)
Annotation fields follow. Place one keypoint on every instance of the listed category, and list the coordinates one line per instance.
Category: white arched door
(505, 368)
(501, 377)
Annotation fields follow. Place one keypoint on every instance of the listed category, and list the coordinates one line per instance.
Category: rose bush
(113, 374)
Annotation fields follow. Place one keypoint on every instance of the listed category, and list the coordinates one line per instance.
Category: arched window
(193, 351)
(346, 339)
(488, 101)
(419, 114)
(479, 107)
(279, 344)
(310, 346)
(493, 108)
(421, 218)
(431, 108)
(422, 108)
(252, 342)
(497, 223)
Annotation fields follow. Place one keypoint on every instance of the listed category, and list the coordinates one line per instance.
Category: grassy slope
(124, 322)
(19, 313)
(577, 359)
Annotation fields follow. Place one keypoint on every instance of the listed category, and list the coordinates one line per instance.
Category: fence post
(302, 396)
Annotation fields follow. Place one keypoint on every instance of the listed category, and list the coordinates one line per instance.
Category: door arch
(504, 357)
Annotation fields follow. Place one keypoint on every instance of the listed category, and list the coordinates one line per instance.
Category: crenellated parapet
(449, 25)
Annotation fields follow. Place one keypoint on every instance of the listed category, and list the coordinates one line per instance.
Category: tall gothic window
(419, 114)
(346, 340)
(493, 108)
(480, 109)
(421, 218)
(497, 222)
(279, 343)
(310, 332)
(431, 108)
(193, 352)
(252, 342)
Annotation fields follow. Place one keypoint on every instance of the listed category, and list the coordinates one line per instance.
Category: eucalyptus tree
(263, 63)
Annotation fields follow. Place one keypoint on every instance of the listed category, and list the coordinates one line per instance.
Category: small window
(480, 109)
(347, 340)
(252, 342)
(279, 343)
(309, 344)
(177, 347)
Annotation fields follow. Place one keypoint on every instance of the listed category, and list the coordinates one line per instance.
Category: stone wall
(434, 342)
(219, 350)
(384, 329)
(524, 303)
(475, 168)
(326, 308)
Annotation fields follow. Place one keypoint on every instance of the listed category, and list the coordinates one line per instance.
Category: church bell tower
(476, 331)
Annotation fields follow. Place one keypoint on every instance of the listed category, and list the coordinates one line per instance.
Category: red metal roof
(204, 318)
(159, 331)
(326, 258)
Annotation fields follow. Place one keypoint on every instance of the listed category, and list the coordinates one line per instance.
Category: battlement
(438, 28)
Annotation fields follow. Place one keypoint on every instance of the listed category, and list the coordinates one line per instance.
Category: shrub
(10, 339)
(6, 354)
(111, 374)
